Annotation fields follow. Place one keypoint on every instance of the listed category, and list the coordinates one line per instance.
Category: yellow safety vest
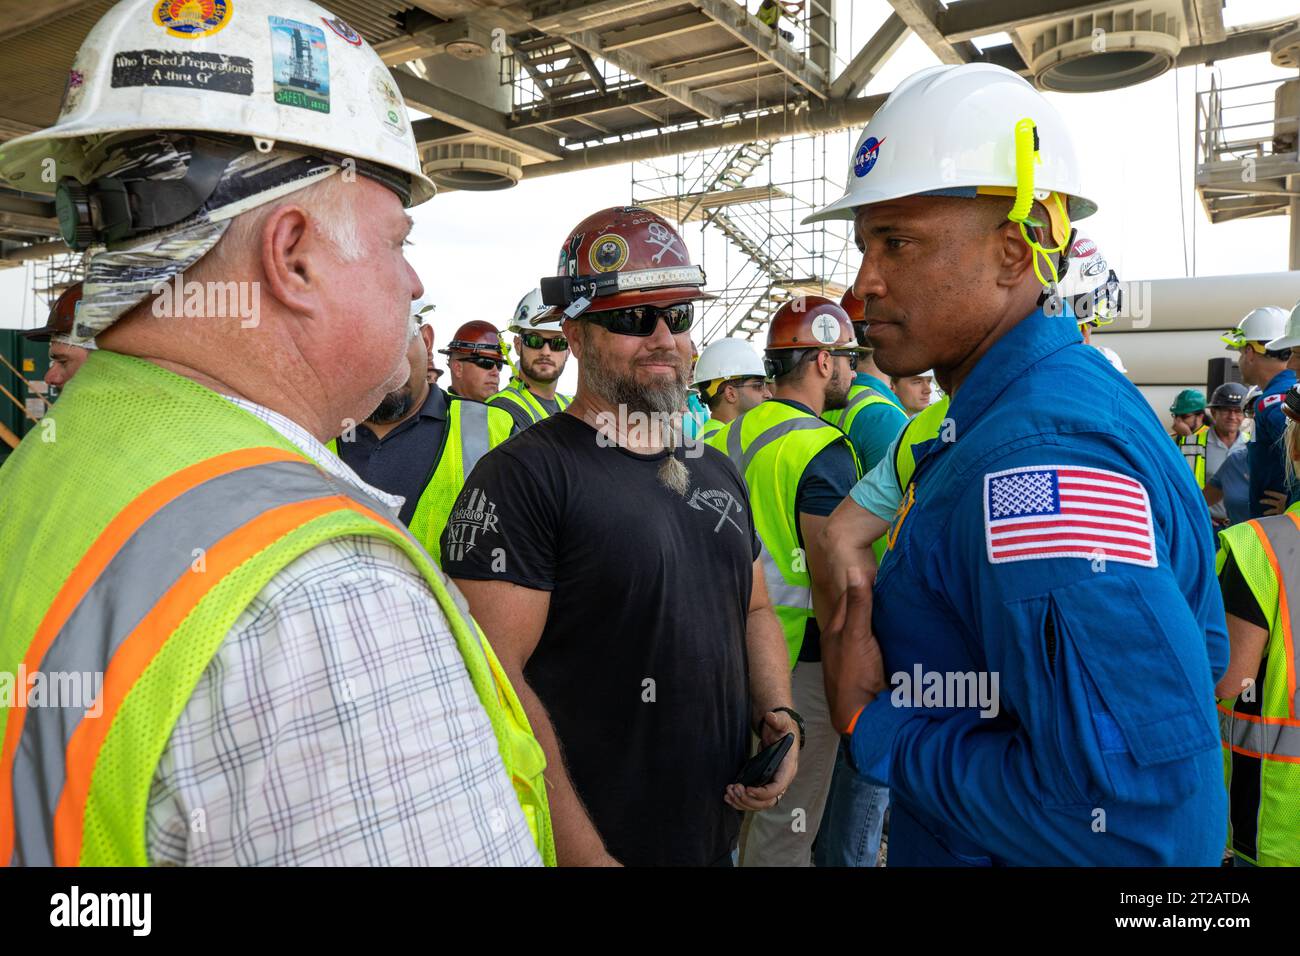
(518, 395)
(924, 427)
(1193, 448)
(473, 429)
(1261, 736)
(772, 444)
(116, 592)
(711, 428)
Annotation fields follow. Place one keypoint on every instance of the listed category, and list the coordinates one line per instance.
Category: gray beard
(619, 389)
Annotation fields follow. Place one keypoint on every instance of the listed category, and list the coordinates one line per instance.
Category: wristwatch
(798, 719)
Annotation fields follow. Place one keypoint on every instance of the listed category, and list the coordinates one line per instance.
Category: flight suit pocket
(1124, 654)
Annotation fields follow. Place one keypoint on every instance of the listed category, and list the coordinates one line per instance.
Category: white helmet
(1265, 324)
(1091, 285)
(1113, 358)
(287, 71)
(953, 130)
(726, 359)
(1290, 337)
(533, 315)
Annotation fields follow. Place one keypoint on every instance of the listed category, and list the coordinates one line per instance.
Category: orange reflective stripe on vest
(97, 557)
(135, 586)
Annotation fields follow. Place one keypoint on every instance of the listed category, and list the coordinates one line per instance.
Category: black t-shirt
(1238, 599)
(642, 663)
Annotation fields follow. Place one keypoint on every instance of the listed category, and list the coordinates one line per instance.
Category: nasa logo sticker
(344, 31)
(608, 253)
(867, 155)
(192, 19)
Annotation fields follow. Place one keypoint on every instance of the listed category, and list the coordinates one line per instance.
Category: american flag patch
(1059, 511)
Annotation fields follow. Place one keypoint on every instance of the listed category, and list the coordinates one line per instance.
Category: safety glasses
(532, 340)
(850, 354)
(642, 320)
(483, 363)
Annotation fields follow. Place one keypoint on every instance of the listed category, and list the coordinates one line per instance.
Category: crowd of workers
(344, 615)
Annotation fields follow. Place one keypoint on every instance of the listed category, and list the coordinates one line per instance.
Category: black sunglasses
(850, 354)
(483, 363)
(532, 340)
(642, 320)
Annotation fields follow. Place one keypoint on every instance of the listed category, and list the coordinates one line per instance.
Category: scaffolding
(741, 209)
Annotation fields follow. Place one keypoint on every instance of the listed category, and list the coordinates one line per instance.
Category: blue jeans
(853, 819)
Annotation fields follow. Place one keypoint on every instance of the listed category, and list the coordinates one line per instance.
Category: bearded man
(614, 572)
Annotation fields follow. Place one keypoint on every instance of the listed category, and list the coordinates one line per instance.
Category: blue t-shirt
(1267, 458)
(875, 427)
(1233, 479)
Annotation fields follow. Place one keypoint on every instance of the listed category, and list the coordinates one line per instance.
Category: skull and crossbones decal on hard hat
(659, 235)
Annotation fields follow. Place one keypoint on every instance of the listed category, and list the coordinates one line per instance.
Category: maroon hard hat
(477, 338)
(62, 314)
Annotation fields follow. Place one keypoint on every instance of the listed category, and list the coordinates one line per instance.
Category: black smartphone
(760, 769)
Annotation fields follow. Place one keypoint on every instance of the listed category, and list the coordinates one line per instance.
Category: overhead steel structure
(508, 90)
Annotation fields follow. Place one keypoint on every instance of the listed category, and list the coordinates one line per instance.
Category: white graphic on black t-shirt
(721, 502)
(476, 515)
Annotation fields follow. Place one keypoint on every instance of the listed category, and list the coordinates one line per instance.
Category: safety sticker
(608, 253)
(194, 70)
(300, 66)
(74, 88)
(342, 29)
(192, 19)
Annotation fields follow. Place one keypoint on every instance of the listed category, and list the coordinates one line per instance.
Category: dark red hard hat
(62, 314)
(635, 258)
(855, 307)
(475, 338)
(810, 322)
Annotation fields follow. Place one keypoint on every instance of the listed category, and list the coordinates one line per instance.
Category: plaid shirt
(336, 724)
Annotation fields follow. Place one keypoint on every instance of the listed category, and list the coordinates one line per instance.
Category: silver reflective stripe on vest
(763, 439)
(862, 396)
(151, 561)
(474, 438)
(1267, 740)
(1193, 451)
(779, 593)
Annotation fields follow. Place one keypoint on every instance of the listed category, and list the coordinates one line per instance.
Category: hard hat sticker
(825, 329)
(660, 236)
(608, 253)
(342, 29)
(867, 155)
(387, 101)
(192, 19)
(300, 66)
(193, 70)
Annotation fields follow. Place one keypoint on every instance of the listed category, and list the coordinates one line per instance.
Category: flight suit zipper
(1049, 634)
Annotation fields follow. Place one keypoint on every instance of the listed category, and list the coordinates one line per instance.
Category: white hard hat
(1265, 324)
(287, 72)
(1113, 358)
(727, 359)
(952, 130)
(1091, 285)
(533, 315)
(1290, 337)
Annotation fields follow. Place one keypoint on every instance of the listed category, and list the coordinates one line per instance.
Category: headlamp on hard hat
(575, 294)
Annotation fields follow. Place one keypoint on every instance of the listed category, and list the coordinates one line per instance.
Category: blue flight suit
(1267, 457)
(1104, 749)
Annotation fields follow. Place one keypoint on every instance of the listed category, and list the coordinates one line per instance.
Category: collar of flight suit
(1011, 357)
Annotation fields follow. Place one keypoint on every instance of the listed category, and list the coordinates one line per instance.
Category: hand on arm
(847, 536)
(512, 618)
(852, 665)
(769, 687)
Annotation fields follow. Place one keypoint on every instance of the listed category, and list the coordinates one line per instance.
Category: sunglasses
(642, 320)
(483, 363)
(850, 354)
(532, 340)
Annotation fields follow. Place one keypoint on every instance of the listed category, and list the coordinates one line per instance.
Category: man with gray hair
(267, 629)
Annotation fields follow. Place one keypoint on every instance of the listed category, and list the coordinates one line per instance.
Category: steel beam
(737, 21)
(588, 106)
(883, 44)
(977, 18)
(920, 15)
(443, 104)
(832, 115)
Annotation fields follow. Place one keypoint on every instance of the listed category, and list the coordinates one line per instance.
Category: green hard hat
(1189, 400)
